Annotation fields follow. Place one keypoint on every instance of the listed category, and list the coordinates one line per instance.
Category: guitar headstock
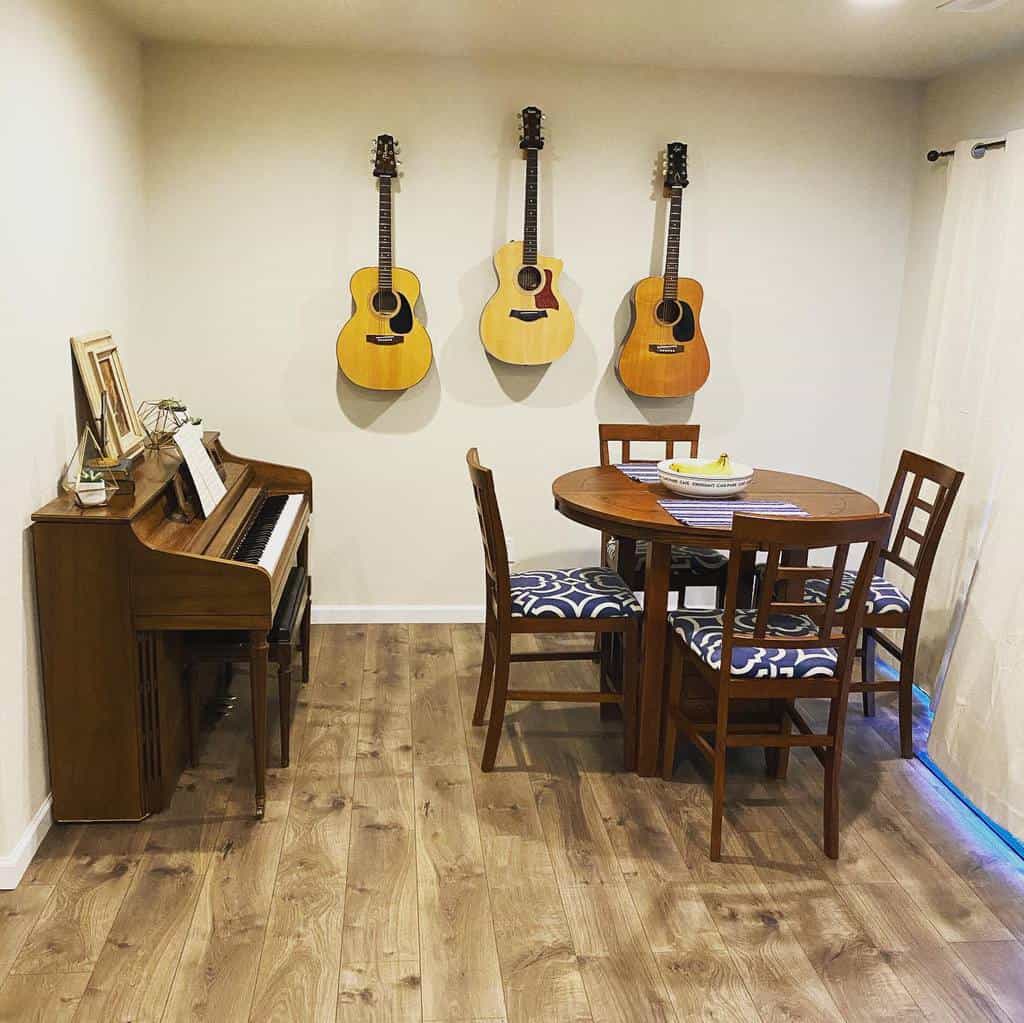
(675, 165)
(384, 152)
(531, 128)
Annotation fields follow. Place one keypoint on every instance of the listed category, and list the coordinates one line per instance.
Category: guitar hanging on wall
(527, 322)
(664, 354)
(384, 346)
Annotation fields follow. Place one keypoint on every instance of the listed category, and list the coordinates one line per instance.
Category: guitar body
(661, 359)
(389, 350)
(526, 326)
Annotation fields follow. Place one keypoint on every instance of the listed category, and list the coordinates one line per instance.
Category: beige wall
(70, 177)
(260, 206)
(982, 101)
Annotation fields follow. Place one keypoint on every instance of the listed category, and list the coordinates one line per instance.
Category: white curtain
(972, 642)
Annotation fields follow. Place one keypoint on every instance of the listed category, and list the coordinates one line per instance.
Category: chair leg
(830, 823)
(483, 689)
(906, 697)
(781, 758)
(867, 667)
(630, 686)
(718, 796)
(606, 667)
(284, 700)
(502, 659)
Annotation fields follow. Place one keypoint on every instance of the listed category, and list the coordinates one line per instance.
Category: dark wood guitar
(664, 354)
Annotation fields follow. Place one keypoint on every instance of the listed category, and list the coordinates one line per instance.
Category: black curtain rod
(977, 151)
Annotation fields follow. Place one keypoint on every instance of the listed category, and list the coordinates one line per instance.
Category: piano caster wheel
(260, 808)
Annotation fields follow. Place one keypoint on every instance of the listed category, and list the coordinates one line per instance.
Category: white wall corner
(14, 863)
(397, 614)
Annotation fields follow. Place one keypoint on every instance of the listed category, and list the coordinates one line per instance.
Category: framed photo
(99, 366)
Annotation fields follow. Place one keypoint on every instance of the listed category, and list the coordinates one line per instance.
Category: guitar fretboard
(530, 220)
(384, 228)
(675, 216)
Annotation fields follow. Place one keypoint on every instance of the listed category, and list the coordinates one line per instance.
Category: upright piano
(119, 590)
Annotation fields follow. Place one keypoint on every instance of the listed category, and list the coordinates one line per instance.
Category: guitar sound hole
(668, 311)
(385, 303)
(529, 278)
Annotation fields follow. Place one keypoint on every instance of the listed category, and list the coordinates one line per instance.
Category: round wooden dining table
(605, 499)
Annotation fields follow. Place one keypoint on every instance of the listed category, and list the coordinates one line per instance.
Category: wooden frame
(101, 372)
(838, 632)
(501, 625)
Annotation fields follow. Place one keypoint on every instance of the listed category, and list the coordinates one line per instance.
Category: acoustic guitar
(527, 321)
(384, 346)
(664, 354)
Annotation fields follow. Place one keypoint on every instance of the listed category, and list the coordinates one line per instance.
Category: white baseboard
(396, 614)
(14, 864)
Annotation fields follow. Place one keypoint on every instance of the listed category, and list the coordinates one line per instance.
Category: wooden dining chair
(580, 600)
(690, 566)
(781, 650)
(921, 524)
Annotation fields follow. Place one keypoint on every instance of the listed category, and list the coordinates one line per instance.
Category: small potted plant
(91, 488)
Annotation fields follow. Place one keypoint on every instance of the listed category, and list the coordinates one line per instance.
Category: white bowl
(695, 485)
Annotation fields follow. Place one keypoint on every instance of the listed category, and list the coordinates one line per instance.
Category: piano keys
(118, 589)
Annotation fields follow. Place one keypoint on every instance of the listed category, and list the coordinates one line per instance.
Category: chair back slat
(492, 532)
(915, 470)
(780, 536)
(624, 434)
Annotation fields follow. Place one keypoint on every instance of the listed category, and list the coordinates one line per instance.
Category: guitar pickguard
(685, 327)
(401, 322)
(545, 298)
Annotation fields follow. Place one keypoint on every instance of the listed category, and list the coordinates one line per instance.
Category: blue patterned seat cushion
(883, 597)
(693, 560)
(572, 593)
(701, 631)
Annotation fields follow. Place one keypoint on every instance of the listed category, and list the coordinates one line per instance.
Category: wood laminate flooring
(393, 882)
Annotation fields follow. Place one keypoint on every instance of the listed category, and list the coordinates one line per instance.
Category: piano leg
(303, 560)
(258, 659)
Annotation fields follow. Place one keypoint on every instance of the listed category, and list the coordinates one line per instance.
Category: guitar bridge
(385, 339)
(666, 349)
(528, 315)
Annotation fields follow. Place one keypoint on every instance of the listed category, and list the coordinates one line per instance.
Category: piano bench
(290, 628)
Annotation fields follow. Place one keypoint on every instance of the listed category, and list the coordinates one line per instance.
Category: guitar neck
(384, 228)
(675, 217)
(530, 217)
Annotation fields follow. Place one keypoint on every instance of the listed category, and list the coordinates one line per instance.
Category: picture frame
(101, 372)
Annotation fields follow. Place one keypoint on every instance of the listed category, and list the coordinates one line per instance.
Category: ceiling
(880, 38)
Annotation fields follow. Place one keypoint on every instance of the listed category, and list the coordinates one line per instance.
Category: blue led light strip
(1012, 842)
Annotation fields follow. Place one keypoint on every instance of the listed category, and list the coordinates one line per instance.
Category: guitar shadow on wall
(392, 411)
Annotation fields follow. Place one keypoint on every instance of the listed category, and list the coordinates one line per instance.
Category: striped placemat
(718, 514)
(642, 472)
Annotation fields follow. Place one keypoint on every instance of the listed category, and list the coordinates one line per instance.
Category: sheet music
(209, 485)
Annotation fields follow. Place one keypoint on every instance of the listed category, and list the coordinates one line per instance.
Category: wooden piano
(118, 590)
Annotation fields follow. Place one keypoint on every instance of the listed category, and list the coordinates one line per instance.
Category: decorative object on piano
(384, 347)
(527, 322)
(701, 477)
(664, 354)
(85, 469)
(91, 489)
(161, 419)
(102, 376)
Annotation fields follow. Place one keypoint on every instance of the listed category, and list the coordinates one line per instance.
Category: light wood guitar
(527, 321)
(384, 346)
(664, 354)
